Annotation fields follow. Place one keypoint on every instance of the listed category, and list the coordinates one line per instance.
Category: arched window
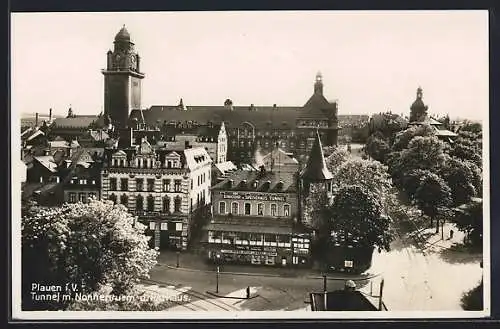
(139, 203)
(177, 204)
(124, 200)
(234, 208)
(112, 197)
(166, 204)
(222, 207)
(151, 203)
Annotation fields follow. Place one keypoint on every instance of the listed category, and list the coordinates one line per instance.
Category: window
(151, 185)
(72, 197)
(112, 197)
(166, 184)
(234, 208)
(139, 184)
(112, 184)
(139, 204)
(124, 200)
(152, 226)
(166, 204)
(177, 184)
(260, 209)
(178, 226)
(222, 207)
(286, 210)
(248, 208)
(164, 226)
(273, 210)
(151, 203)
(124, 184)
(177, 204)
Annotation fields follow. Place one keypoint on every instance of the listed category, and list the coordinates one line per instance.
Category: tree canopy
(90, 245)
(356, 217)
(433, 195)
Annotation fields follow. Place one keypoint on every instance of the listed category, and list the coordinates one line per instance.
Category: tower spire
(318, 85)
(316, 170)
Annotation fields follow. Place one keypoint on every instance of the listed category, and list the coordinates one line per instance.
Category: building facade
(164, 187)
(82, 180)
(211, 137)
(254, 220)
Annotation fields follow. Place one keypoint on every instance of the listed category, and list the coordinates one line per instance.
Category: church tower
(122, 80)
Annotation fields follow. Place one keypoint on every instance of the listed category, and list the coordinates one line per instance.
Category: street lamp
(178, 254)
(217, 275)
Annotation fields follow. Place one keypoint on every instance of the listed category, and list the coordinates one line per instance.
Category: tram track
(205, 300)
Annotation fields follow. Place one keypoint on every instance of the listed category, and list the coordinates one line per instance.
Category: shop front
(254, 255)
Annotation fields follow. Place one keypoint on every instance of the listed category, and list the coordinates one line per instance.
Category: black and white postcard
(250, 165)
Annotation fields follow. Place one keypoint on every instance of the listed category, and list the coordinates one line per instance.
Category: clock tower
(122, 80)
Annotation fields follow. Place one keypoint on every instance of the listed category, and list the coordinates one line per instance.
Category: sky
(370, 61)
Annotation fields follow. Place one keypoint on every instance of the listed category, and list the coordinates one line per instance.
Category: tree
(468, 146)
(336, 158)
(377, 147)
(433, 197)
(411, 181)
(369, 174)
(469, 219)
(91, 245)
(403, 139)
(426, 153)
(473, 127)
(356, 218)
(387, 124)
(472, 300)
(460, 178)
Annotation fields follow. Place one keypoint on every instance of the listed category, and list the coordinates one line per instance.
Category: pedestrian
(248, 292)
(451, 234)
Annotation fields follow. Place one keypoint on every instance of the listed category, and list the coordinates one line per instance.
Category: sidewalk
(433, 241)
(197, 263)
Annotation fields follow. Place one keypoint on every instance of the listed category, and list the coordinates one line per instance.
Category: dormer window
(255, 184)
(268, 185)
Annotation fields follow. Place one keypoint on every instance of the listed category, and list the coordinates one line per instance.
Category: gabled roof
(47, 161)
(316, 169)
(35, 134)
(279, 157)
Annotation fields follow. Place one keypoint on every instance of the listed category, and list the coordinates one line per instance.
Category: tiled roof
(267, 181)
(224, 167)
(75, 122)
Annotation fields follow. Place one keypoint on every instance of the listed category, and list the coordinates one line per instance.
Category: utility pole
(380, 295)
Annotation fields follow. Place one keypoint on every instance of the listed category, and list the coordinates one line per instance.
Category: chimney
(255, 184)
(36, 119)
(50, 115)
(230, 183)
